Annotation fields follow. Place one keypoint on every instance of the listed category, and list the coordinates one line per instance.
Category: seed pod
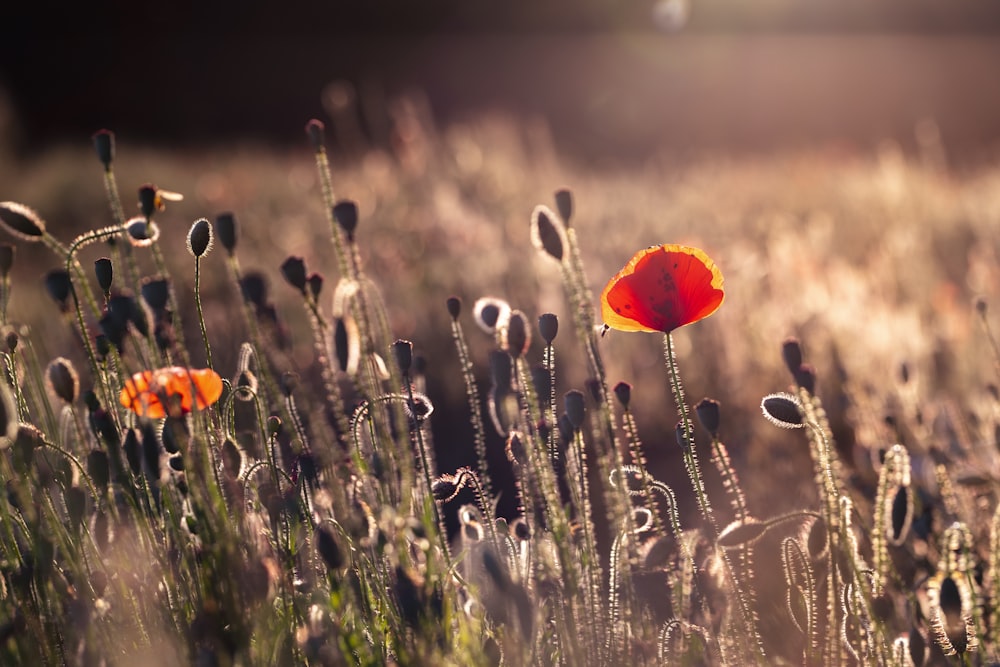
(403, 351)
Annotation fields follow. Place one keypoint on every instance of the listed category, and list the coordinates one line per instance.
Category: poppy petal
(145, 391)
(661, 289)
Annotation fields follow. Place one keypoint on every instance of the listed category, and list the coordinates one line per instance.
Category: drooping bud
(454, 307)
(21, 221)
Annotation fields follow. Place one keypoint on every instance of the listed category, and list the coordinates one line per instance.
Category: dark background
(610, 82)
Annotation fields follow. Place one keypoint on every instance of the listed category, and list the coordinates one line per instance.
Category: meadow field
(388, 479)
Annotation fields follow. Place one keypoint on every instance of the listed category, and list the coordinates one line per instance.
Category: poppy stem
(686, 437)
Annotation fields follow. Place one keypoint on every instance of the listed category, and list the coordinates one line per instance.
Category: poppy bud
(294, 271)
(232, 458)
(707, 411)
(346, 214)
(403, 351)
(254, 288)
(518, 335)
(199, 239)
(454, 307)
(155, 292)
(6, 259)
(548, 326)
(225, 229)
(791, 352)
(63, 380)
(105, 274)
(11, 340)
(133, 450)
(782, 410)
(315, 131)
(501, 369)
(805, 377)
(98, 469)
(21, 221)
(104, 145)
(575, 408)
(59, 287)
(981, 306)
(564, 204)
(623, 390)
(547, 233)
(329, 550)
(315, 283)
(147, 200)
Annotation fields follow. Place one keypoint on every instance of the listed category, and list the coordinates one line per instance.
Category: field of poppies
(466, 402)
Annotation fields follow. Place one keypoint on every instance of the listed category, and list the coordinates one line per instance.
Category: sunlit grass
(340, 504)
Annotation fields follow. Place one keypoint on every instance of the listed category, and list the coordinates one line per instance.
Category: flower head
(662, 288)
(154, 393)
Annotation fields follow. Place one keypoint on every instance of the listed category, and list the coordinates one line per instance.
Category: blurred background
(614, 80)
(837, 158)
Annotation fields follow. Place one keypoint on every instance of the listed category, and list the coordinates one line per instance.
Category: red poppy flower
(662, 288)
(185, 388)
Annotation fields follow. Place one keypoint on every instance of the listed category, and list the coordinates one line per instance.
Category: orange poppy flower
(662, 288)
(185, 388)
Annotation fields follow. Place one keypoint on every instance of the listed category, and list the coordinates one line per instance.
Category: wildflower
(151, 393)
(661, 289)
